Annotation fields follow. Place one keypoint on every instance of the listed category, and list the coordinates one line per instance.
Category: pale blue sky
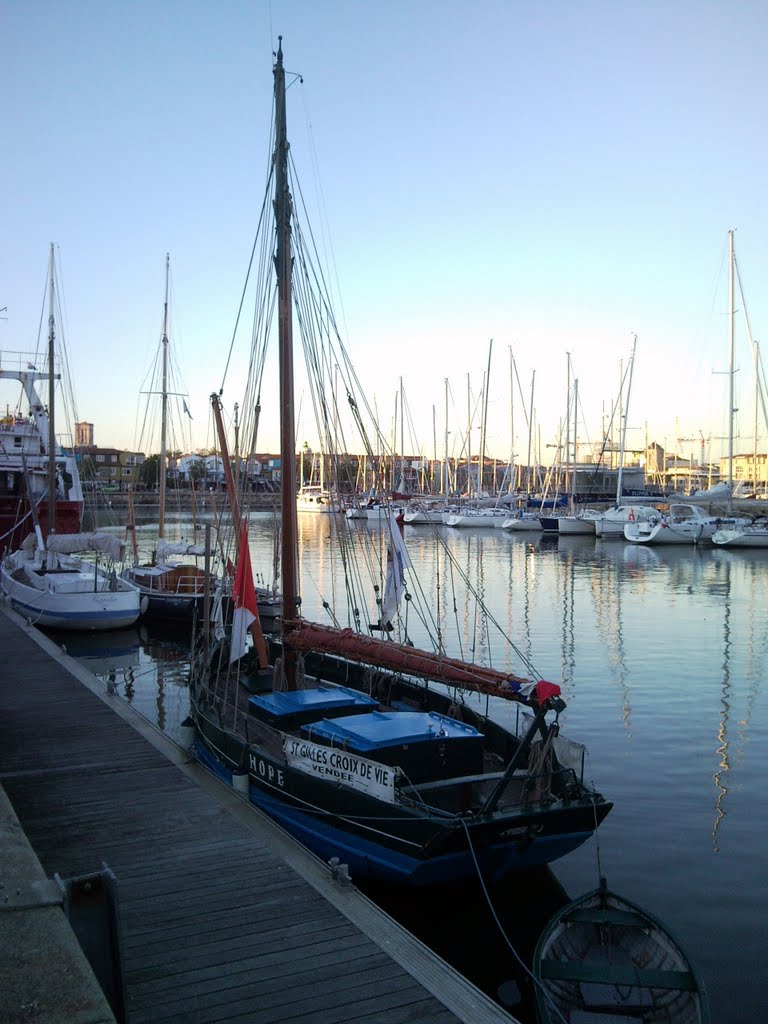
(552, 175)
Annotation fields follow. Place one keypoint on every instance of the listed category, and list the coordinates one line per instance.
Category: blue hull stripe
(126, 616)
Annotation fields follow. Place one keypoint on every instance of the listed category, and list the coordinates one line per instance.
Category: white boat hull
(748, 537)
(490, 519)
(685, 524)
(81, 602)
(527, 523)
(422, 516)
(571, 525)
(667, 533)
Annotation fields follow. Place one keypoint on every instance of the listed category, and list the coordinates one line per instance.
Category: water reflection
(725, 707)
(661, 653)
(147, 665)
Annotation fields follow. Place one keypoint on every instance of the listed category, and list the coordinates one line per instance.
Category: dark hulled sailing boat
(378, 753)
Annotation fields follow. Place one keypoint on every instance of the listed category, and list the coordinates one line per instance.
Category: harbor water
(660, 653)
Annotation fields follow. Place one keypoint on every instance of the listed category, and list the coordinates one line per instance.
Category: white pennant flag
(398, 560)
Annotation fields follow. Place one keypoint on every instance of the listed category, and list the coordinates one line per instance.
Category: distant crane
(702, 440)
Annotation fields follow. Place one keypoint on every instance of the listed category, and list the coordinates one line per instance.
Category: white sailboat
(316, 497)
(685, 523)
(753, 534)
(611, 522)
(44, 582)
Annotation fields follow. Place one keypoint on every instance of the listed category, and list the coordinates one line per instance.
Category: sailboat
(750, 534)
(173, 589)
(42, 579)
(612, 521)
(390, 761)
(315, 497)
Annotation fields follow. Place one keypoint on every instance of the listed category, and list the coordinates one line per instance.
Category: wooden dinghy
(604, 960)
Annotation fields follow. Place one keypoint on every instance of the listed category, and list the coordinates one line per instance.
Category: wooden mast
(283, 266)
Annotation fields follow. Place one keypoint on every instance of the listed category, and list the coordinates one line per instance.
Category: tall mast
(446, 464)
(757, 383)
(575, 426)
(511, 486)
(529, 466)
(164, 408)
(434, 450)
(568, 430)
(283, 265)
(51, 425)
(623, 426)
(731, 299)
(486, 388)
(469, 439)
(402, 441)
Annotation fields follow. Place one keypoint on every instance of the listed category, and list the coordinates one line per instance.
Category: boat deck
(223, 916)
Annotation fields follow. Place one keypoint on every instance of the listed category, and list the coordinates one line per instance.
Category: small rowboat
(603, 960)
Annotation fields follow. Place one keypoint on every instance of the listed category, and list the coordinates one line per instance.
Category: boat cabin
(423, 744)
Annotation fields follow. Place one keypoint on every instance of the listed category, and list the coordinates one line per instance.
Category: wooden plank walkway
(224, 917)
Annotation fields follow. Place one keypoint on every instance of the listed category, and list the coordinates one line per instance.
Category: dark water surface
(661, 654)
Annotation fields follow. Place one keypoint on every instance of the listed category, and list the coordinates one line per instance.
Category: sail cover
(76, 543)
(346, 643)
(164, 549)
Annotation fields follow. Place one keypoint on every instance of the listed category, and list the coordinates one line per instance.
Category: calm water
(660, 654)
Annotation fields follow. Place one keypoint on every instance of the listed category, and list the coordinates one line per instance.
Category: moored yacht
(683, 524)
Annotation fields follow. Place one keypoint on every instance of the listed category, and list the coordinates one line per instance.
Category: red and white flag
(244, 597)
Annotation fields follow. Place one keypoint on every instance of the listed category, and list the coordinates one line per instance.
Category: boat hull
(526, 523)
(398, 842)
(98, 610)
(666, 533)
(750, 537)
(423, 517)
(336, 834)
(575, 525)
(485, 520)
(603, 957)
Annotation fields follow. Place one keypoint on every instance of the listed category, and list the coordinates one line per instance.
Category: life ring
(631, 515)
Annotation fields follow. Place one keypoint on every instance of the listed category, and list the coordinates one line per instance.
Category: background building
(84, 435)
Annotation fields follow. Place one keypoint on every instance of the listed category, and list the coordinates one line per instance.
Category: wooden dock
(223, 916)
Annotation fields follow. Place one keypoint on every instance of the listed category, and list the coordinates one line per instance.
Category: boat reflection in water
(147, 665)
(111, 652)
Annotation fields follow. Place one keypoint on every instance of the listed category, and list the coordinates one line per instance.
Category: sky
(553, 176)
